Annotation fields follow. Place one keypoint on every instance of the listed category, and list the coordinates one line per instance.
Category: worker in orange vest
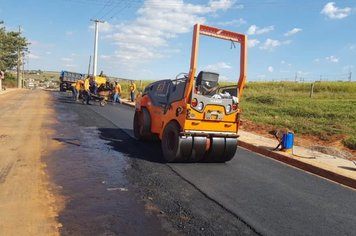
(117, 93)
(74, 91)
(86, 91)
(132, 91)
(78, 87)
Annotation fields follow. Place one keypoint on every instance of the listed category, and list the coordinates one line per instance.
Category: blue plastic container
(287, 140)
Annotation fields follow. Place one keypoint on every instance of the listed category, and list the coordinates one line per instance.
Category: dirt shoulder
(26, 205)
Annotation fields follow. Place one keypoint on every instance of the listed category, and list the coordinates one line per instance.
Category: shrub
(264, 99)
(350, 142)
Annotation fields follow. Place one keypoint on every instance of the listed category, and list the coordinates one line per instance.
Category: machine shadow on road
(123, 143)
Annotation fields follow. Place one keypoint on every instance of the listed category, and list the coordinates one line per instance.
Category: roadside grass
(330, 111)
(10, 81)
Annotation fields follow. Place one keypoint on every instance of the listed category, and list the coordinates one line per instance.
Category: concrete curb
(341, 179)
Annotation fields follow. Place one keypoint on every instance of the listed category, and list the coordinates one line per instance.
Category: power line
(108, 3)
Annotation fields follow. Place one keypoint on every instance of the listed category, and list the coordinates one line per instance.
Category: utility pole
(19, 80)
(89, 65)
(23, 70)
(96, 44)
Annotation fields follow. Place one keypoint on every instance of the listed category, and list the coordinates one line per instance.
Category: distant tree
(10, 43)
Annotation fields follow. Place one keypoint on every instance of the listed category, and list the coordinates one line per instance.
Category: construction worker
(117, 93)
(132, 91)
(86, 91)
(93, 85)
(74, 91)
(78, 87)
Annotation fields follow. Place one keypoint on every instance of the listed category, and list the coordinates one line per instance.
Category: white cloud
(332, 59)
(66, 59)
(240, 6)
(270, 69)
(253, 29)
(352, 47)
(252, 43)
(147, 37)
(283, 62)
(235, 22)
(71, 66)
(261, 76)
(33, 56)
(69, 33)
(105, 27)
(317, 60)
(218, 66)
(270, 44)
(333, 12)
(293, 31)
(347, 68)
(303, 73)
(286, 42)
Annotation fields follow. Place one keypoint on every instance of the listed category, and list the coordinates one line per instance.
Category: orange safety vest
(118, 88)
(86, 85)
(133, 87)
(78, 84)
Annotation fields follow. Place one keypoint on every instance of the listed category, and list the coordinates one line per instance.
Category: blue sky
(151, 39)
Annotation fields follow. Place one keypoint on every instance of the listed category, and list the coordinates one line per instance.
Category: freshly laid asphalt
(271, 197)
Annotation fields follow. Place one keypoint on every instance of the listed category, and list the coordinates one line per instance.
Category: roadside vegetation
(329, 111)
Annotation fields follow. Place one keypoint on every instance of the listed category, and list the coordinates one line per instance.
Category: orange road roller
(195, 118)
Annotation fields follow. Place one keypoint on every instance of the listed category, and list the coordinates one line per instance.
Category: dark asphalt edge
(335, 177)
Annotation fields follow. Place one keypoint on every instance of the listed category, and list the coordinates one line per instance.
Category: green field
(331, 110)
